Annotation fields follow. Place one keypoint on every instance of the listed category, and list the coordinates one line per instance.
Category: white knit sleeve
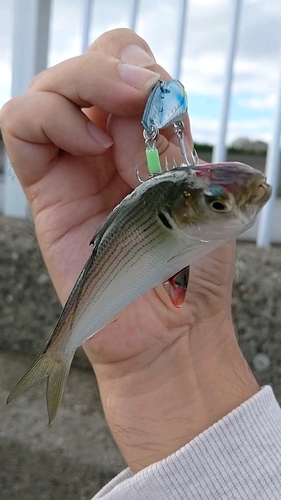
(238, 458)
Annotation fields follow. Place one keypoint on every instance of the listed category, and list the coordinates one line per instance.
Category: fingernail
(99, 135)
(139, 78)
(136, 55)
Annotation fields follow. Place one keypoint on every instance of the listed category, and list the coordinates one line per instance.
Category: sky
(257, 62)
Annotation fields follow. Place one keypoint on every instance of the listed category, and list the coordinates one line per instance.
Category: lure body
(166, 105)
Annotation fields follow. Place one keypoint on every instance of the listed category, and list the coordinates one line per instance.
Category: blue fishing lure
(167, 104)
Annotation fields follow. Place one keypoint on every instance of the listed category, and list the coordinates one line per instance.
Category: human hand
(164, 374)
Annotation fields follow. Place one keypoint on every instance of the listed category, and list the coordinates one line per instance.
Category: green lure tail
(153, 161)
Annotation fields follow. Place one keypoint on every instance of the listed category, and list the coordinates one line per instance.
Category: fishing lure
(166, 105)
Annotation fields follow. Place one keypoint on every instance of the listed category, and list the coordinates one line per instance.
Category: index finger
(115, 74)
(49, 119)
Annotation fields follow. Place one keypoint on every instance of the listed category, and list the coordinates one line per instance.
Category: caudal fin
(56, 372)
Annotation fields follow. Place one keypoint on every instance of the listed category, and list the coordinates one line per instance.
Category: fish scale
(161, 227)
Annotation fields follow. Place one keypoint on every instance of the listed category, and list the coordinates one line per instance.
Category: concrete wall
(76, 456)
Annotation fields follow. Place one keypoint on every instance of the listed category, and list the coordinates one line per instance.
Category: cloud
(259, 102)
(257, 57)
(6, 22)
(5, 50)
(6, 75)
(206, 130)
(260, 30)
(253, 129)
(65, 31)
(204, 52)
(203, 131)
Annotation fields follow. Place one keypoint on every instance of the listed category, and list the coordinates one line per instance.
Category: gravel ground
(76, 456)
(72, 459)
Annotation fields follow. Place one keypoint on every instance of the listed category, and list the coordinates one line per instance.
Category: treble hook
(141, 181)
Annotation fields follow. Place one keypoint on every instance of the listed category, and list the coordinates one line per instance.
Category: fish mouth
(257, 193)
(256, 198)
(262, 194)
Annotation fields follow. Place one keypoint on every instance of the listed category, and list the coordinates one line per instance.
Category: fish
(154, 234)
(166, 105)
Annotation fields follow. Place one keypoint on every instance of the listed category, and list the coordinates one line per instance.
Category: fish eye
(219, 200)
(219, 206)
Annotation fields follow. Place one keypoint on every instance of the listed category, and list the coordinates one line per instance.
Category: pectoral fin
(176, 286)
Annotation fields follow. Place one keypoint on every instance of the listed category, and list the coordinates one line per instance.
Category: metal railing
(30, 50)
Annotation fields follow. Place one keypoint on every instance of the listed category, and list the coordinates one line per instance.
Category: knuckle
(8, 114)
(36, 80)
(114, 40)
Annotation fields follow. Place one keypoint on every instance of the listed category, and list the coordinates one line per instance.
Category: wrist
(156, 408)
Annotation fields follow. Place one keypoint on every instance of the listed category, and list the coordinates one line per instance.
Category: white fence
(30, 50)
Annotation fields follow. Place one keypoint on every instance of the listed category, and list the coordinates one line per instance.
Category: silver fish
(160, 228)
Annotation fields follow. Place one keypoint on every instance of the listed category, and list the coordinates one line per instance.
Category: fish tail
(56, 371)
